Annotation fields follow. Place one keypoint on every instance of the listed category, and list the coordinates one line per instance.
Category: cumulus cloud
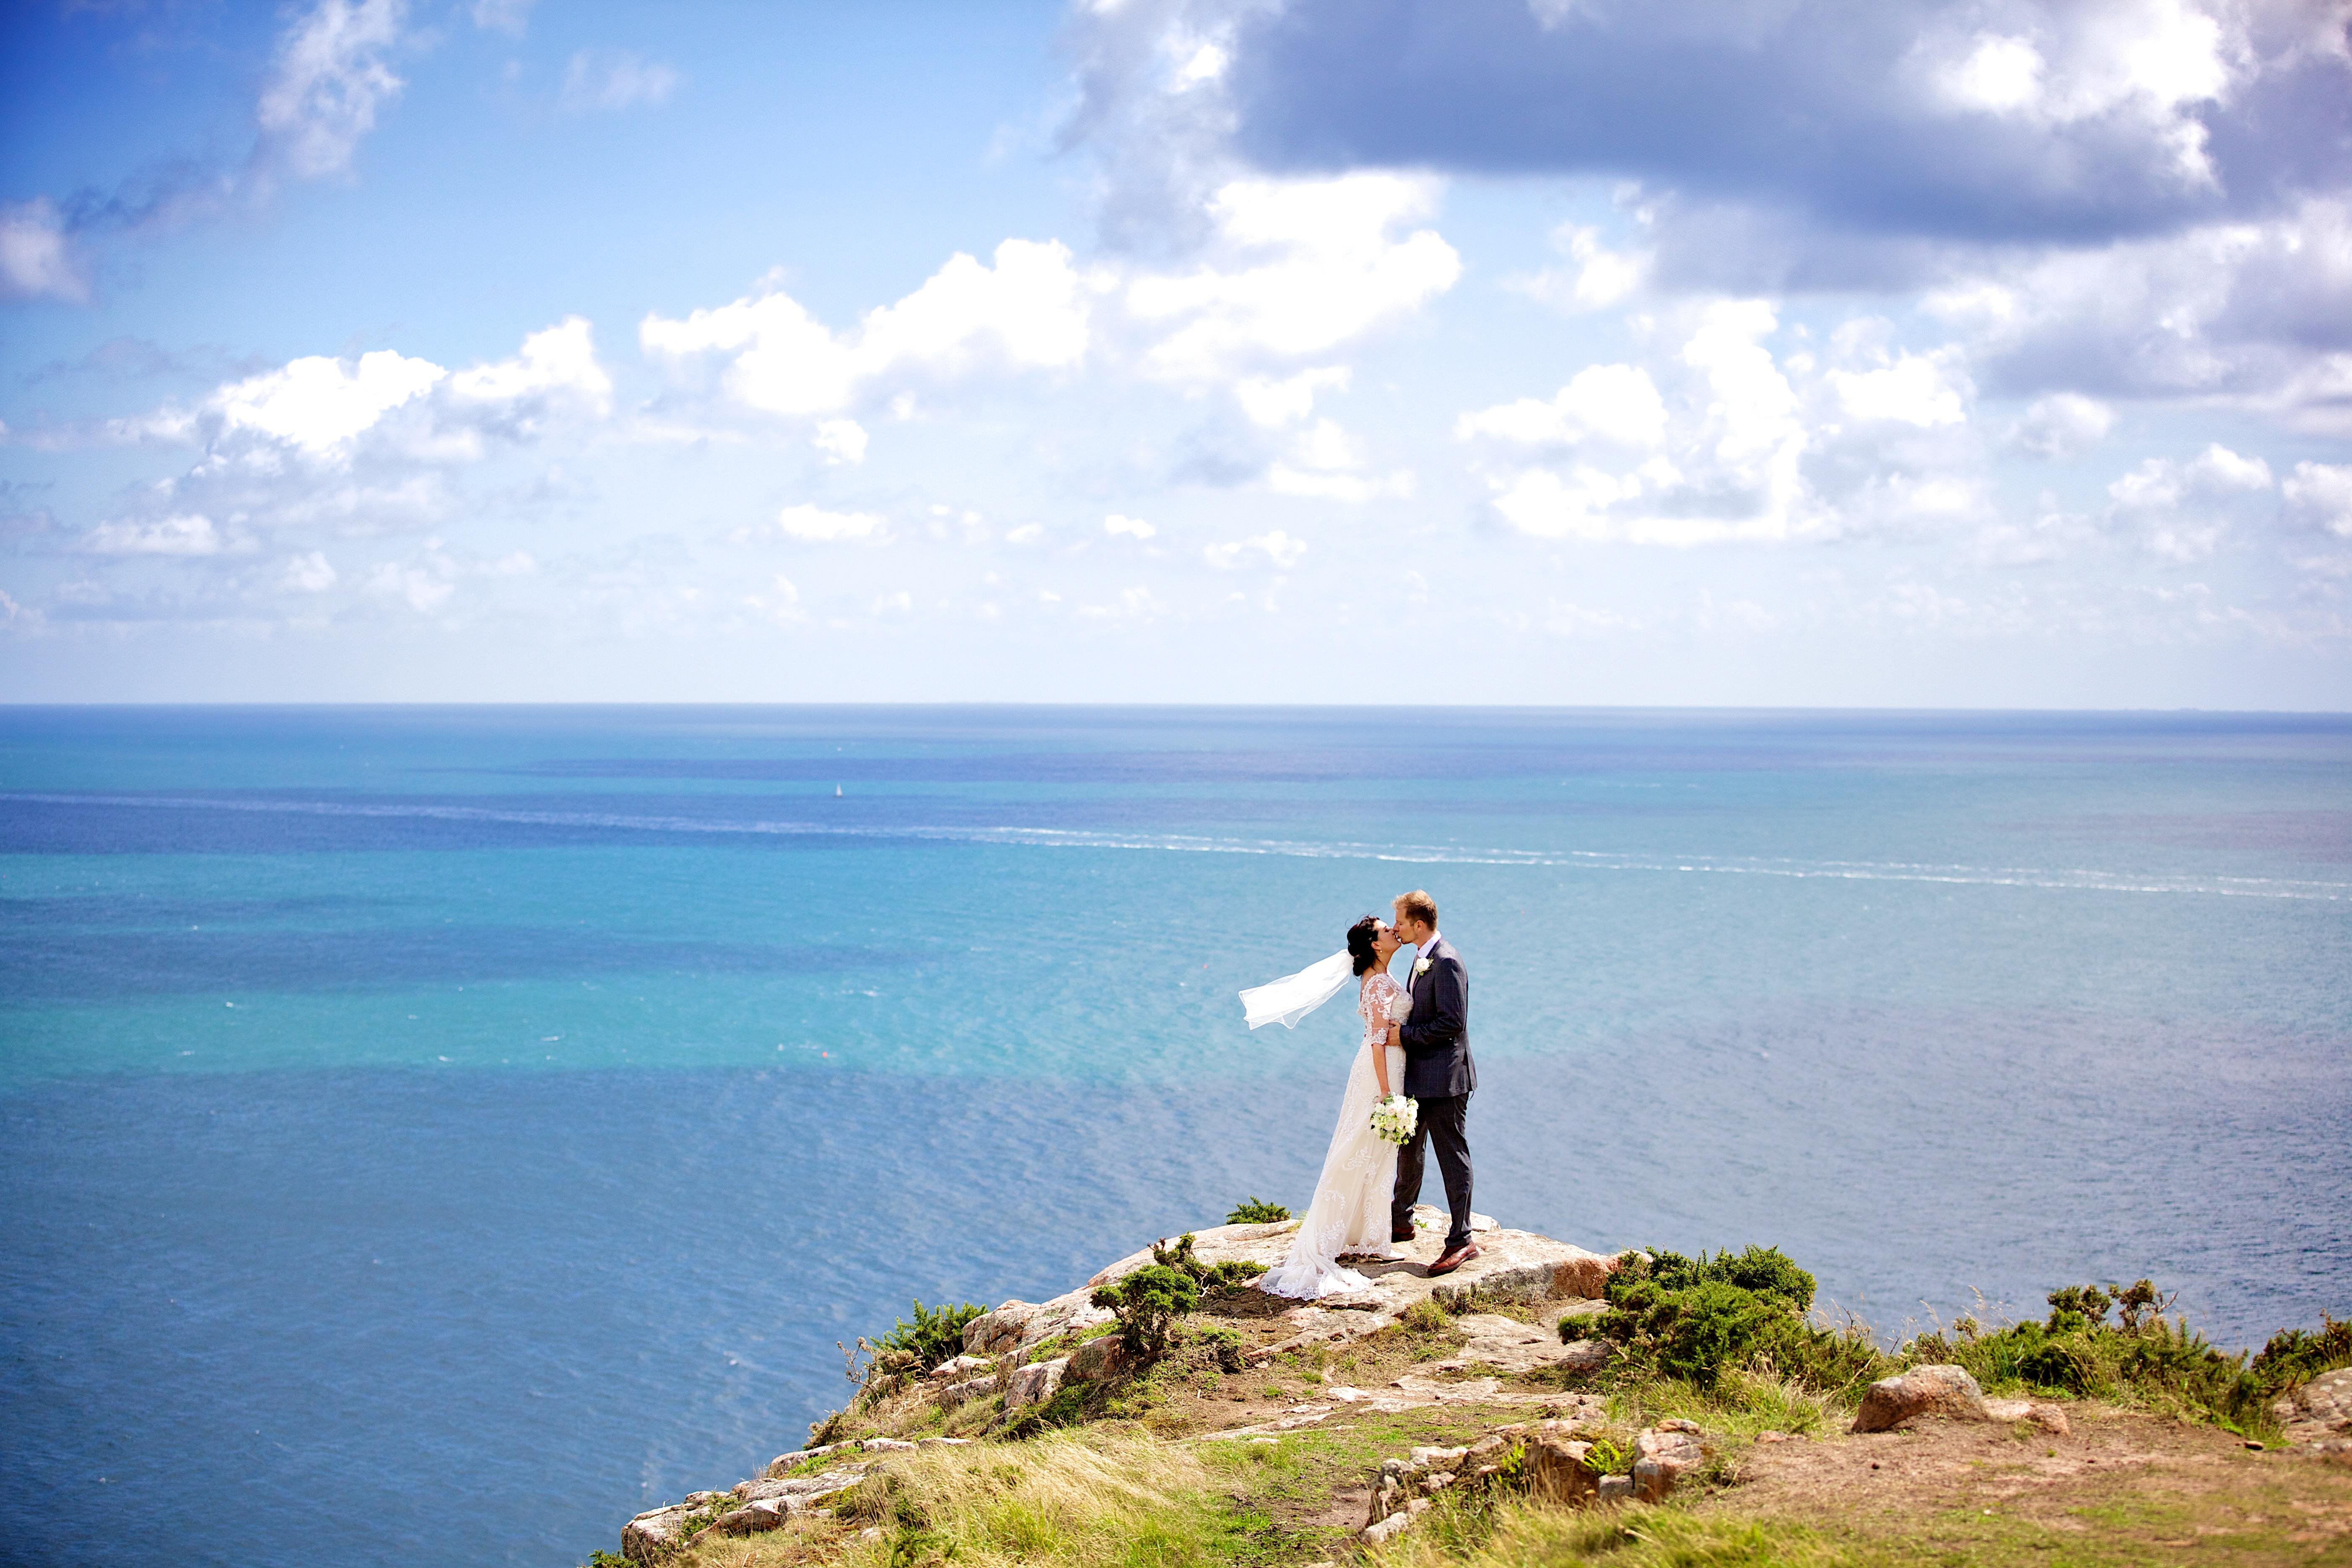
(309, 573)
(2319, 496)
(1911, 389)
(597, 82)
(2179, 510)
(2062, 424)
(1299, 267)
(1596, 277)
(1278, 547)
(1726, 463)
(321, 408)
(810, 523)
(1273, 403)
(1028, 311)
(2255, 312)
(841, 440)
(1130, 527)
(35, 262)
(1616, 403)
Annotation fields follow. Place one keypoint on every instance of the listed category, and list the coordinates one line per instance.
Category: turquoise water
(413, 1104)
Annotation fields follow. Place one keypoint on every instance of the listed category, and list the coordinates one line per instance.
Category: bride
(1350, 1216)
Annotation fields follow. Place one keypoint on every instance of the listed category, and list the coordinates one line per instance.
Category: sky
(1783, 352)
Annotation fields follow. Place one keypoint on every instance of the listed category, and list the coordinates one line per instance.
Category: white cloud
(323, 408)
(1729, 464)
(1278, 547)
(327, 83)
(35, 262)
(813, 524)
(1131, 527)
(781, 602)
(1599, 276)
(321, 404)
(2181, 510)
(310, 572)
(1616, 403)
(597, 81)
(559, 360)
(2062, 426)
(423, 587)
(1132, 605)
(1916, 389)
(511, 18)
(2319, 494)
(1274, 404)
(841, 440)
(188, 534)
(1027, 312)
(1303, 266)
(901, 603)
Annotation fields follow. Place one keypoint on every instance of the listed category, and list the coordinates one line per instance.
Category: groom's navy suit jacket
(1436, 1033)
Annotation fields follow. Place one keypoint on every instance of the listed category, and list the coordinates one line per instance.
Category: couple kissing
(1409, 1088)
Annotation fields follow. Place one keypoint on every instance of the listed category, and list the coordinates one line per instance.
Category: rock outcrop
(2318, 1415)
(1946, 1390)
(1552, 1459)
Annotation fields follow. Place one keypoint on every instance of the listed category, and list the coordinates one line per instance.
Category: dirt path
(2123, 1489)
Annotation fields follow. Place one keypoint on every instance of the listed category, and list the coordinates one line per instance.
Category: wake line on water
(2069, 880)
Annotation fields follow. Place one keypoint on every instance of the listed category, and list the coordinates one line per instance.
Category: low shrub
(2293, 1356)
(2143, 1356)
(1255, 1210)
(936, 1335)
(1147, 1304)
(1696, 1318)
(1231, 1275)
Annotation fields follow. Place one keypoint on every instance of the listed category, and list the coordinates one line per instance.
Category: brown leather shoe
(1407, 1235)
(1448, 1262)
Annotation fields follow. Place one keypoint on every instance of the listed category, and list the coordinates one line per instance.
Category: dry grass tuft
(1082, 1499)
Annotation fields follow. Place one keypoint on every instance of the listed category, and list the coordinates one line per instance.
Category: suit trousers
(1441, 1123)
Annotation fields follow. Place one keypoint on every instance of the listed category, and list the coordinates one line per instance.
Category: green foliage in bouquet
(1257, 1211)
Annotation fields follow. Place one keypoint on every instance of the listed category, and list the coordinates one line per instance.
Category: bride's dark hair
(1360, 937)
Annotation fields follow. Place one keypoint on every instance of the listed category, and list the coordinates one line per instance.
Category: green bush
(936, 1335)
(1696, 1318)
(1220, 1277)
(2142, 1357)
(2293, 1356)
(1147, 1304)
(1256, 1211)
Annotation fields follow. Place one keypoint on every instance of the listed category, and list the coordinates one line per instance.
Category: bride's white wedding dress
(1351, 1211)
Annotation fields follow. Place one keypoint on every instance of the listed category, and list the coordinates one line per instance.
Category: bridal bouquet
(1394, 1117)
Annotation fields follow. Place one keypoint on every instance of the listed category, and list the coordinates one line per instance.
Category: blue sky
(1489, 351)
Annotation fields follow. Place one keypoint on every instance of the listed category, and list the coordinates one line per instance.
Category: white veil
(1294, 996)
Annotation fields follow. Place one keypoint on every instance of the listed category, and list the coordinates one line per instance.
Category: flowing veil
(1294, 996)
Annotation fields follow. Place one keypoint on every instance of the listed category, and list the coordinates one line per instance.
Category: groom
(1439, 1077)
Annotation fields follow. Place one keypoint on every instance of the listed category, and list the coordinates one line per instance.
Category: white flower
(1420, 967)
(1394, 1118)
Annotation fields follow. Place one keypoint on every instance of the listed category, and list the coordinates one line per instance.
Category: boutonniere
(1420, 967)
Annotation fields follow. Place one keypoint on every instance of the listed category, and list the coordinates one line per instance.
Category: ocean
(436, 1134)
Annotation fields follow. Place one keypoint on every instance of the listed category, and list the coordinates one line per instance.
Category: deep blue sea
(432, 1135)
